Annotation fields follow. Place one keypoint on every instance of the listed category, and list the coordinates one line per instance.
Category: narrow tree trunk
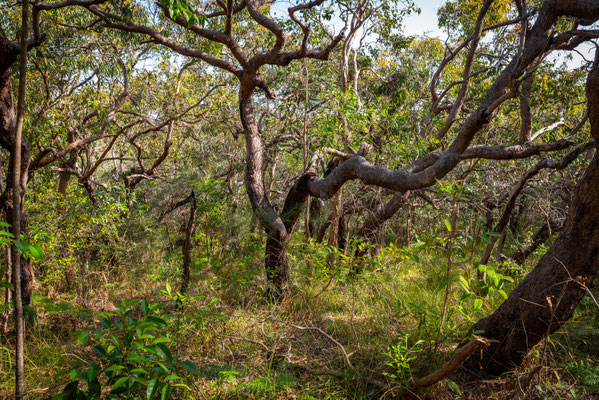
(65, 176)
(540, 237)
(18, 204)
(8, 127)
(373, 226)
(276, 265)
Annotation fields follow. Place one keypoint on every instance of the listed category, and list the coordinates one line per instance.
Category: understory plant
(132, 358)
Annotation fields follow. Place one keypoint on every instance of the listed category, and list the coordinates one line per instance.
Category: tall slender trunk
(8, 129)
(18, 193)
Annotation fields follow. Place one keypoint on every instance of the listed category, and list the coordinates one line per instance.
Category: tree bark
(8, 125)
(18, 191)
(547, 297)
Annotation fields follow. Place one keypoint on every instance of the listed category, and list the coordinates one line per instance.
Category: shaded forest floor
(333, 337)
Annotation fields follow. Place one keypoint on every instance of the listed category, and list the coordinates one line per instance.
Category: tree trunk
(540, 237)
(8, 124)
(547, 297)
(65, 176)
(277, 227)
(276, 266)
(373, 226)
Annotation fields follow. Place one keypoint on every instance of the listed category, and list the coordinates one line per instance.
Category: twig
(323, 333)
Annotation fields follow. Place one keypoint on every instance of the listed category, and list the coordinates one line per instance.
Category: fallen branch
(461, 355)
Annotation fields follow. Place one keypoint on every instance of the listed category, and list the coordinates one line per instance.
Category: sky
(426, 22)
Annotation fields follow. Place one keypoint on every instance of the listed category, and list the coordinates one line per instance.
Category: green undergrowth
(334, 336)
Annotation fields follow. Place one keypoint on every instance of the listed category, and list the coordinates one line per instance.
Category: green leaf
(152, 389)
(166, 392)
(100, 350)
(6, 285)
(502, 293)
(5, 233)
(181, 385)
(22, 245)
(164, 352)
(191, 367)
(145, 307)
(140, 371)
(36, 251)
(140, 381)
(83, 336)
(74, 374)
(463, 283)
(6, 224)
(120, 382)
(156, 320)
(478, 303)
(92, 372)
(447, 225)
(115, 368)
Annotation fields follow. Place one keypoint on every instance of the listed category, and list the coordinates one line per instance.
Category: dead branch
(458, 358)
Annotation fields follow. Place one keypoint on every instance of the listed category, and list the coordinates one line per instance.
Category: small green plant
(587, 373)
(493, 284)
(133, 358)
(557, 391)
(401, 356)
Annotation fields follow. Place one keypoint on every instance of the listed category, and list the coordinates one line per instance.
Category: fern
(588, 374)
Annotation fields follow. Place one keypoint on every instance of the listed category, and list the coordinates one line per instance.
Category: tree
(548, 295)
(456, 124)
(246, 68)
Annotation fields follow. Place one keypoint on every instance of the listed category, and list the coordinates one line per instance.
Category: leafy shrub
(401, 356)
(133, 358)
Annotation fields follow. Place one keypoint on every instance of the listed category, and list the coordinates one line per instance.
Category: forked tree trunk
(278, 227)
(547, 297)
